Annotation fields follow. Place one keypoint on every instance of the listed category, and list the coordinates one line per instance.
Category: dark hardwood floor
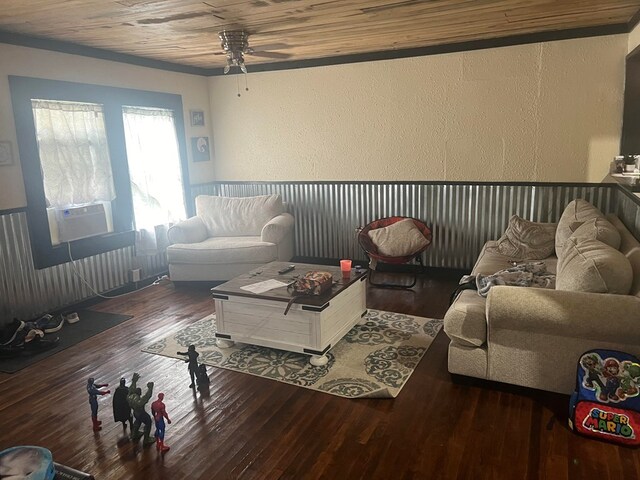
(252, 428)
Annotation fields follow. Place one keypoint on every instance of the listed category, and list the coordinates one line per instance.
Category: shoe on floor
(33, 334)
(13, 333)
(72, 318)
(50, 324)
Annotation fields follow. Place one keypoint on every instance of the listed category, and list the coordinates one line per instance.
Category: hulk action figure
(137, 401)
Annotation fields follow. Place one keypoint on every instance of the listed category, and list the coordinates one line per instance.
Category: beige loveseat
(534, 336)
(229, 236)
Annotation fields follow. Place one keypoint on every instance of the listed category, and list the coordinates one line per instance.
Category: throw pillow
(598, 229)
(399, 239)
(237, 216)
(577, 212)
(527, 240)
(593, 266)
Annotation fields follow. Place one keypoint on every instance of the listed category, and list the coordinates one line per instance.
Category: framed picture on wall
(6, 154)
(200, 149)
(197, 118)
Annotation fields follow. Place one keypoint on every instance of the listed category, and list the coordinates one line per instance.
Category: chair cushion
(398, 239)
(593, 266)
(576, 212)
(221, 250)
(598, 229)
(191, 230)
(527, 240)
(237, 216)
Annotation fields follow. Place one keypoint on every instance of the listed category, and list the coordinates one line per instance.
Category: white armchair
(229, 236)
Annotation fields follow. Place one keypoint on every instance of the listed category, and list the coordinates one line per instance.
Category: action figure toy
(192, 360)
(159, 412)
(137, 401)
(202, 379)
(121, 407)
(93, 391)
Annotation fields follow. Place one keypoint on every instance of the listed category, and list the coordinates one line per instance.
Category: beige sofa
(534, 336)
(229, 236)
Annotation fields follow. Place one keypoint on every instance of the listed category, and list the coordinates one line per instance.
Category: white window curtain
(156, 179)
(74, 155)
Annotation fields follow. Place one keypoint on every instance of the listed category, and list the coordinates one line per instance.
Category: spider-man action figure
(159, 412)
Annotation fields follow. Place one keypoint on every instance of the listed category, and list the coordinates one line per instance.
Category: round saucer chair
(409, 253)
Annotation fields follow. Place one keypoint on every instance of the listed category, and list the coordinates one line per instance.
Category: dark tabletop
(270, 271)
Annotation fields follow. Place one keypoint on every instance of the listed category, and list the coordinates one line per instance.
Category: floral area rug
(374, 360)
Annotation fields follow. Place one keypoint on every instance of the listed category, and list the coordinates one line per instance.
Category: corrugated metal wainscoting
(26, 292)
(462, 216)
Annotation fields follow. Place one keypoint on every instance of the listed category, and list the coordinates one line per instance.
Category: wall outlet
(136, 275)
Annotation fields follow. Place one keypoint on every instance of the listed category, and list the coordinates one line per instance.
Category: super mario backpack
(606, 404)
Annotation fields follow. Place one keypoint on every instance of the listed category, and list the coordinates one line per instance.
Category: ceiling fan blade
(274, 55)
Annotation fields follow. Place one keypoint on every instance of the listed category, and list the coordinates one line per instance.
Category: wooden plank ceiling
(185, 31)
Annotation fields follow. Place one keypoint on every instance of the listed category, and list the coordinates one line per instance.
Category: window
(86, 144)
(154, 167)
(74, 157)
(154, 170)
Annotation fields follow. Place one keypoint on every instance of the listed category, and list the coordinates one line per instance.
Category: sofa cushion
(237, 216)
(527, 240)
(399, 239)
(575, 213)
(490, 261)
(630, 248)
(593, 266)
(221, 250)
(466, 321)
(598, 229)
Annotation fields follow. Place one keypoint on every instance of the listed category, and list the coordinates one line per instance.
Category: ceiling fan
(235, 45)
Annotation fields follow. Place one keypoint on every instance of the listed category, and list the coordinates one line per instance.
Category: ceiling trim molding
(523, 39)
(512, 40)
(633, 21)
(102, 54)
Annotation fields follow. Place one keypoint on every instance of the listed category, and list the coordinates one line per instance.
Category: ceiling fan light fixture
(235, 43)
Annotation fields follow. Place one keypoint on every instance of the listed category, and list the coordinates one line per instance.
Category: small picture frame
(197, 118)
(6, 154)
(200, 149)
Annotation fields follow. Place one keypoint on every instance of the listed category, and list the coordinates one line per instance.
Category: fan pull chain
(238, 84)
(246, 85)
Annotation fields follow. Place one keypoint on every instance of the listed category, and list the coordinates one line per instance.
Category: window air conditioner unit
(81, 221)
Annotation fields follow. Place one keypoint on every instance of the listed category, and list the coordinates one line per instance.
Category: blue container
(31, 463)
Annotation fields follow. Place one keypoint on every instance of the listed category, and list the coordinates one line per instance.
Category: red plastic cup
(345, 267)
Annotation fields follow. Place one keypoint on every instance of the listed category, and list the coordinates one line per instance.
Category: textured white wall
(540, 112)
(31, 62)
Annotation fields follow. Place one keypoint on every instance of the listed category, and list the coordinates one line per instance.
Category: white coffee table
(313, 324)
